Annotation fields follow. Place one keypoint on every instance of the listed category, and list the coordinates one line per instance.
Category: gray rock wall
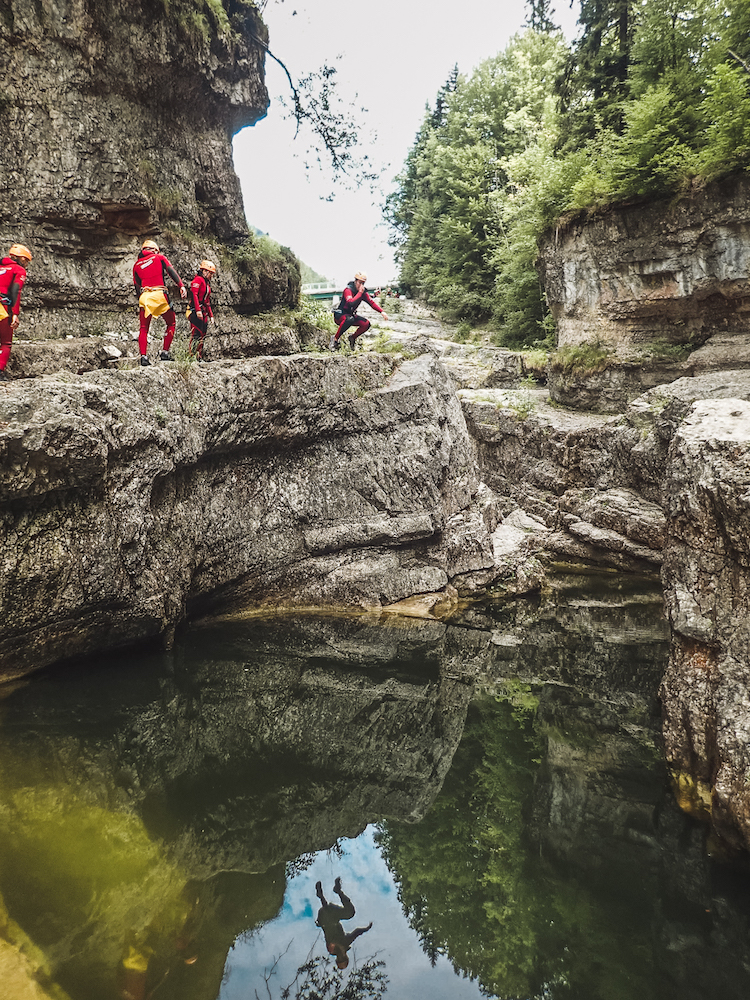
(674, 270)
(117, 121)
(707, 578)
(128, 497)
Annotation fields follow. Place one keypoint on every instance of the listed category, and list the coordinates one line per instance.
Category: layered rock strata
(129, 497)
(665, 482)
(674, 270)
(706, 578)
(661, 289)
(118, 119)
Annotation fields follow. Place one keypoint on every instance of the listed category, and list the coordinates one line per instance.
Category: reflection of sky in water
(368, 882)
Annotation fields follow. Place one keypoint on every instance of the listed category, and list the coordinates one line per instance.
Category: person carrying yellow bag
(150, 274)
(12, 278)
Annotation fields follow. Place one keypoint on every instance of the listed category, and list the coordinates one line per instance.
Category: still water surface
(490, 793)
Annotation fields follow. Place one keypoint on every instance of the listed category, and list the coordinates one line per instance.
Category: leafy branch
(315, 102)
(317, 979)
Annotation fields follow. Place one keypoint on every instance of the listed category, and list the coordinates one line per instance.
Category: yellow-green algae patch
(693, 796)
(81, 881)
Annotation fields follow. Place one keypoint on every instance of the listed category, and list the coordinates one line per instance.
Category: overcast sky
(395, 56)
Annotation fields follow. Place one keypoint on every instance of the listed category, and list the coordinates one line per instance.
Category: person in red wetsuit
(346, 316)
(150, 274)
(329, 918)
(12, 278)
(200, 312)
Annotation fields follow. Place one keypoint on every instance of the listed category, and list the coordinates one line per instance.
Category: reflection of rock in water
(602, 812)
(254, 744)
(260, 741)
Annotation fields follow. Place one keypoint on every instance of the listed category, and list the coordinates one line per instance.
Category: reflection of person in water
(329, 920)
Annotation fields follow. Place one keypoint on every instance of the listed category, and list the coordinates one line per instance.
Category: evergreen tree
(540, 16)
(594, 82)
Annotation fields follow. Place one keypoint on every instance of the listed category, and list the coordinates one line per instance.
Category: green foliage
(663, 350)
(196, 18)
(583, 359)
(652, 99)
(476, 891)
(318, 979)
(457, 196)
(653, 154)
(463, 332)
(727, 109)
(316, 314)
(256, 250)
(462, 871)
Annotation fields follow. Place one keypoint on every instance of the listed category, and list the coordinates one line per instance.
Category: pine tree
(595, 80)
(540, 16)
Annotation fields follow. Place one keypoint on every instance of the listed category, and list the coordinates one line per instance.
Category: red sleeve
(19, 279)
(171, 272)
(349, 295)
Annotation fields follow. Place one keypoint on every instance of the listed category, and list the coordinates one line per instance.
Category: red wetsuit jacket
(351, 300)
(151, 270)
(12, 278)
(200, 296)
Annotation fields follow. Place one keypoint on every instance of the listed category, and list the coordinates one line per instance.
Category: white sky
(395, 56)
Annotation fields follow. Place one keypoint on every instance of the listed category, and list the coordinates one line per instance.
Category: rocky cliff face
(676, 273)
(675, 270)
(661, 287)
(706, 573)
(131, 496)
(118, 119)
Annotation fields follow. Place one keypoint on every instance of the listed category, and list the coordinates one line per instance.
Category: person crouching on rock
(329, 918)
(200, 313)
(150, 274)
(346, 316)
(12, 278)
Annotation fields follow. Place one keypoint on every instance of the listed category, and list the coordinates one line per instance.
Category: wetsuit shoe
(319, 889)
(144, 360)
(337, 886)
(334, 344)
(352, 342)
(165, 356)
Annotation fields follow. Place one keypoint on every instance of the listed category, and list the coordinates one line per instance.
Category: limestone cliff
(663, 287)
(675, 270)
(117, 120)
(128, 497)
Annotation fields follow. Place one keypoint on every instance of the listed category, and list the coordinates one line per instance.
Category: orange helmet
(19, 250)
(360, 276)
(150, 245)
(207, 265)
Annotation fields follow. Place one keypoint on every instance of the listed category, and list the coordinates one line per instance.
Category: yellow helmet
(150, 245)
(207, 265)
(360, 276)
(19, 250)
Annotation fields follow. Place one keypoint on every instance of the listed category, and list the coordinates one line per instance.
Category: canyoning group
(151, 272)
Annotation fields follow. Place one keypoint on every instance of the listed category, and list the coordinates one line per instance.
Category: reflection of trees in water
(473, 890)
(317, 979)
